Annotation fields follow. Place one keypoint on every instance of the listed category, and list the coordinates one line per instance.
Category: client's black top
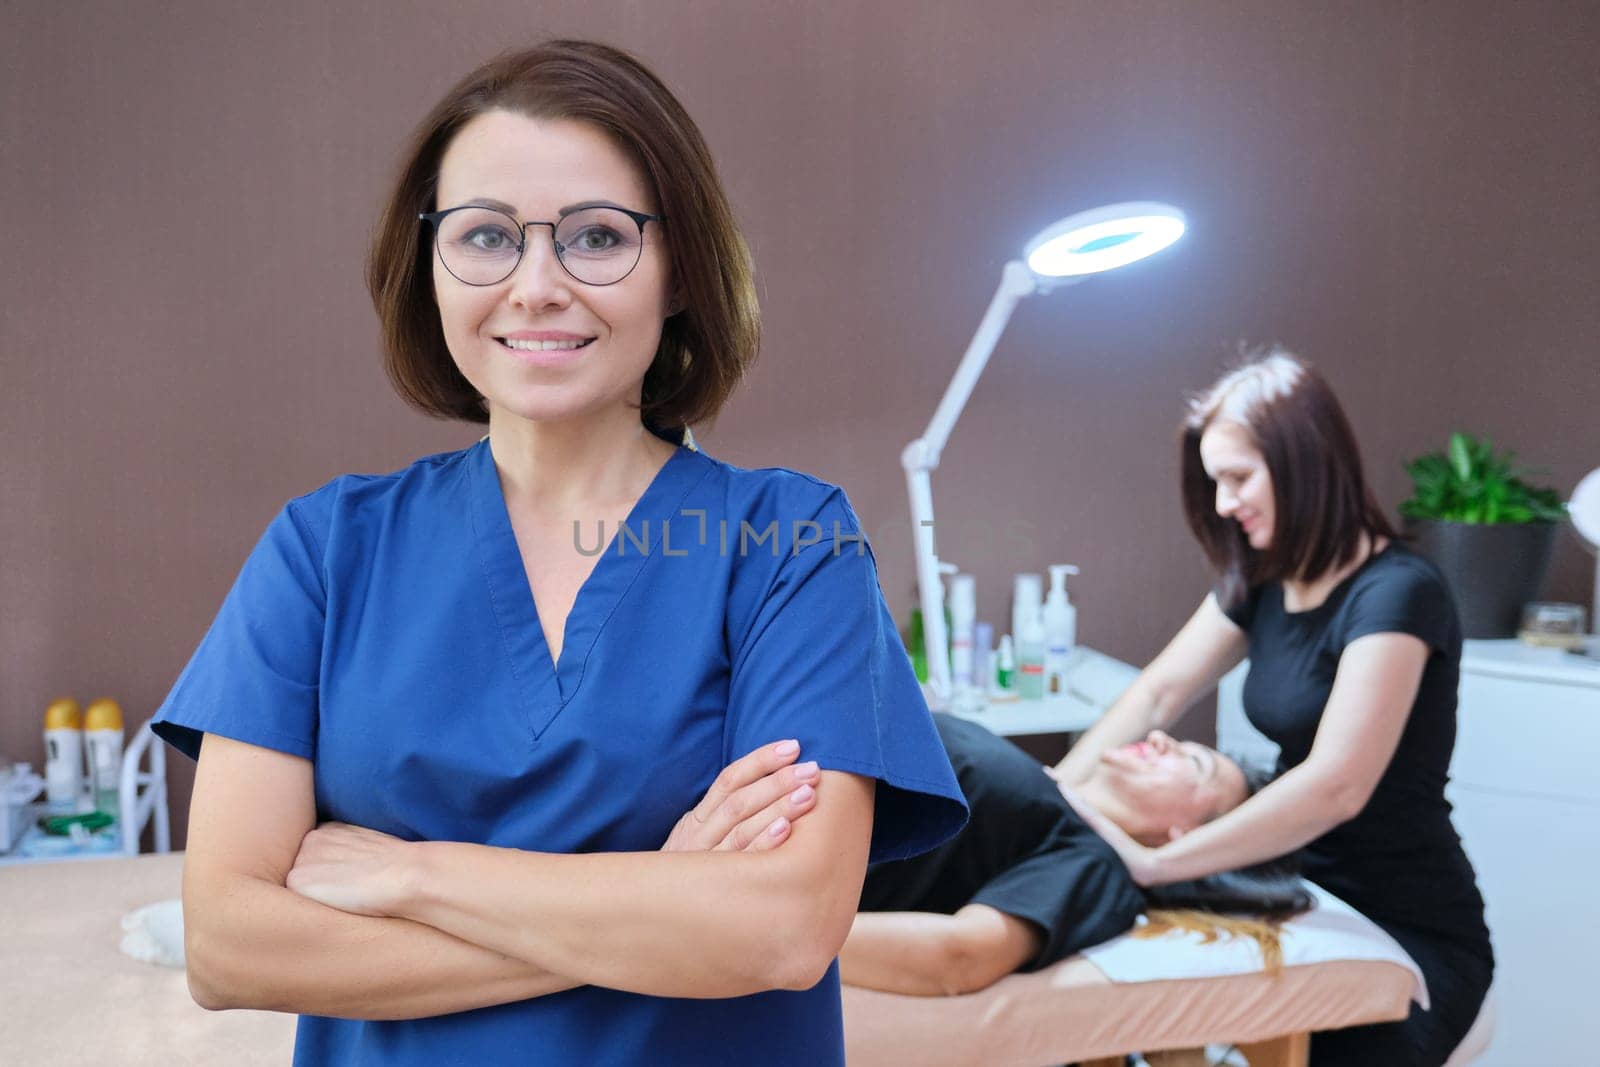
(1024, 852)
(1399, 861)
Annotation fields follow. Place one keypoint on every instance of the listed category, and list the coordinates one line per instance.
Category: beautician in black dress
(1354, 653)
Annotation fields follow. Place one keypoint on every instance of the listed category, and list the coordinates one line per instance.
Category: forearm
(253, 944)
(1286, 815)
(681, 924)
(1135, 713)
(900, 952)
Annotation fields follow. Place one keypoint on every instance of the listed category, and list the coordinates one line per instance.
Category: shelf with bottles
(1089, 685)
(137, 798)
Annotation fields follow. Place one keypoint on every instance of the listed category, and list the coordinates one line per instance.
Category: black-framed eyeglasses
(596, 245)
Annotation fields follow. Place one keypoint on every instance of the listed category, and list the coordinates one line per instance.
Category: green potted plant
(1487, 529)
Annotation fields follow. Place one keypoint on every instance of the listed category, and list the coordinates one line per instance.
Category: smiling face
(1244, 485)
(1153, 786)
(540, 167)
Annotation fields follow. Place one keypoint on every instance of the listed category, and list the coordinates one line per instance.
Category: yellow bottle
(63, 755)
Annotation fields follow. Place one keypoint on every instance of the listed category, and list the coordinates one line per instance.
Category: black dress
(1024, 852)
(1399, 861)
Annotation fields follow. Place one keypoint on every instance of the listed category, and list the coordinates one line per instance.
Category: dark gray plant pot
(1492, 570)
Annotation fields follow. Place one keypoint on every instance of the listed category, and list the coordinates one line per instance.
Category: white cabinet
(1525, 782)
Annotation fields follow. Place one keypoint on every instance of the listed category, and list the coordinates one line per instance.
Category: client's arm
(929, 955)
(251, 942)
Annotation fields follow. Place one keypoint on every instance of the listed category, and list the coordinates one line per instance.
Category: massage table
(1168, 992)
(71, 997)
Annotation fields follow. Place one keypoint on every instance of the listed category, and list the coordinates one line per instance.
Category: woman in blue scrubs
(458, 799)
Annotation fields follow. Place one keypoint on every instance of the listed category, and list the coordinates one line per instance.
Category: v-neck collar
(546, 691)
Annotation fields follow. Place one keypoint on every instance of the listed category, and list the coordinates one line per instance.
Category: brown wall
(1403, 191)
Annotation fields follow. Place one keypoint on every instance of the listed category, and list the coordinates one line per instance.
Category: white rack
(137, 807)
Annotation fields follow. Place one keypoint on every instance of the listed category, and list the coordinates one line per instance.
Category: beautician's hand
(752, 804)
(360, 871)
(1140, 860)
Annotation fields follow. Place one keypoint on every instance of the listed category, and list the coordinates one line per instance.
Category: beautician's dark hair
(1320, 496)
(706, 347)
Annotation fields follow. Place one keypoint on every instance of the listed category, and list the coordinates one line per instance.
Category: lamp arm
(1016, 282)
(922, 456)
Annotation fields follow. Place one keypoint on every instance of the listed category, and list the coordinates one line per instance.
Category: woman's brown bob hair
(1320, 497)
(710, 342)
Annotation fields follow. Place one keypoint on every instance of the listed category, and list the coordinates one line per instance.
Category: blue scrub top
(383, 629)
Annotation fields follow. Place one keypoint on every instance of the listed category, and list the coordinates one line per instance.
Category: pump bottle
(1060, 628)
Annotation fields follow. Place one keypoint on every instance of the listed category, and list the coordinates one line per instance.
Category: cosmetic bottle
(63, 759)
(1060, 629)
(983, 659)
(1027, 591)
(963, 620)
(1005, 670)
(916, 645)
(1030, 667)
(102, 736)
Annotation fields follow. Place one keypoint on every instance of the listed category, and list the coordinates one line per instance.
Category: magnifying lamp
(1584, 511)
(1063, 253)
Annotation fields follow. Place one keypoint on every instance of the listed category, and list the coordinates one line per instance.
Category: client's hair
(1267, 893)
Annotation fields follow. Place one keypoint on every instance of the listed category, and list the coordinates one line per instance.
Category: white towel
(1332, 930)
(154, 933)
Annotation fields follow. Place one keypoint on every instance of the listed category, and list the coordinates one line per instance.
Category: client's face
(1158, 785)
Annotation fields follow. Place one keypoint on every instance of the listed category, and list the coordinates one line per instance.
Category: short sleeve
(1407, 600)
(821, 662)
(1073, 887)
(254, 677)
(1242, 612)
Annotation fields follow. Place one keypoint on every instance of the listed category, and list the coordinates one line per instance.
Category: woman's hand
(749, 808)
(1142, 861)
(360, 871)
(752, 804)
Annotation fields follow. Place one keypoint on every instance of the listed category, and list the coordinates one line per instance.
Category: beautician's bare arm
(682, 924)
(250, 942)
(1208, 646)
(1366, 713)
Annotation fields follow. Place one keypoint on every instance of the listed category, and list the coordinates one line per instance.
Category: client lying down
(1027, 883)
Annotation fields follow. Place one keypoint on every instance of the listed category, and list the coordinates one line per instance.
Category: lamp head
(1102, 239)
(1584, 509)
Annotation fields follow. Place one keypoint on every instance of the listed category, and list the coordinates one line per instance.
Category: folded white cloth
(154, 933)
(1332, 930)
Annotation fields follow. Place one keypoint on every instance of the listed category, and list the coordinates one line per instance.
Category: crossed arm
(345, 922)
